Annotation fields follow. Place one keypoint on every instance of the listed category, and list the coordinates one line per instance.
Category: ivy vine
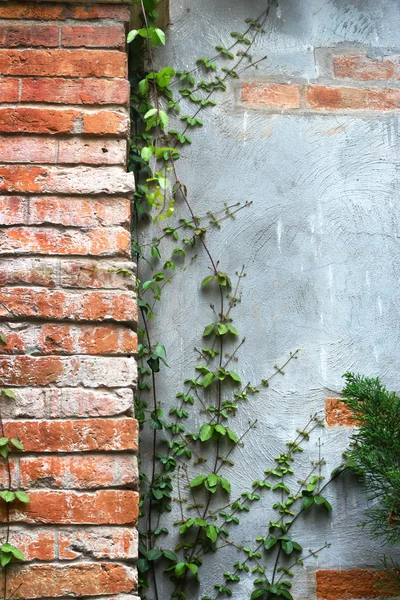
(8, 552)
(190, 463)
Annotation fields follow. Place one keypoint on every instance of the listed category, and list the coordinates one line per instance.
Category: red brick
(110, 241)
(65, 403)
(320, 97)
(78, 273)
(73, 371)
(58, 338)
(104, 507)
(55, 581)
(86, 306)
(66, 180)
(78, 212)
(72, 91)
(83, 435)
(92, 152)
(69, 402)
(12, 36)
(105, 122)
(271, 95)
(89, 36)
(31, 271)
(56, 121)
(337, 413)
(354, 584)
(37, 120)
(36, 545)
(78, 472)
(64, 63)
(35, 149)
(90, 274)
(17, 149)
(113, 543)
(30, 10)
(363, 68)
(9, 90)
(12, 210)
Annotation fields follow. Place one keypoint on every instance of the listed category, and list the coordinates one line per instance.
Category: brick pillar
(66, 312)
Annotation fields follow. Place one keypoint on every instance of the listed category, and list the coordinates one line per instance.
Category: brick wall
(348, 80)
(68, 316)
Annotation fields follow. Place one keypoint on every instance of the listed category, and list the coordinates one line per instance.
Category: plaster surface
(319, 243)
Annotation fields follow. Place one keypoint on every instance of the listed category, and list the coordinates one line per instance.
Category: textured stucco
(319, 243)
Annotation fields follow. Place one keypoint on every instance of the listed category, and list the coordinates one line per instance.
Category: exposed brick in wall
(68, 316)
(348, 80)
(353, 584)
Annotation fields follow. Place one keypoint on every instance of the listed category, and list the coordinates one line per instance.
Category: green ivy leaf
(198, 480)
(132, 35)
(206, 432)
(207, 280)
(225, 485)
(208, 379)
(154, 554)
(22, 497)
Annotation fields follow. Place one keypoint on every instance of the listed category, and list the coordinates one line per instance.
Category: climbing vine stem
(193, 445)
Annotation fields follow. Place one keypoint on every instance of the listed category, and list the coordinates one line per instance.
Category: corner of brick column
(67, 312)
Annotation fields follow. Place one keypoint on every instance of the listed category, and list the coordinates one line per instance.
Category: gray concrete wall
(320, 246)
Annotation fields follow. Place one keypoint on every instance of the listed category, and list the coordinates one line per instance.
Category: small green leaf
(132, 35)
(198, 480)
(225, 485)
(208, 379)
(154, 554)
(207, 280)
(22, 497)
(206, 432)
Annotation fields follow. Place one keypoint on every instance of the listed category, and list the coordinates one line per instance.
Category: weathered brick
(27, 149)
(35, 544)
(78, 212)
(13, 210)
(65, 403)
(56, 121)
(355, 584)
(92, 152)
(55, 581)
(83, 435)
(30, 10)
(67, 371)
(31, 271)
(89, 274)
(9, 90)
(71, 91)
(12, 36)
(99, 543)
(90, 36)
(337, 413)
(110, 241)
(105, 122)
(104, 507)
(89, 542)
(363, 68)
(78, 472)
(271, 95)
(78, 273)
(65, 180)
(64, 63)
(86, 306)
(29, 403)
(58, 338)
(89, 403)
(320, 97)
(39, 149)
(37, 120)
